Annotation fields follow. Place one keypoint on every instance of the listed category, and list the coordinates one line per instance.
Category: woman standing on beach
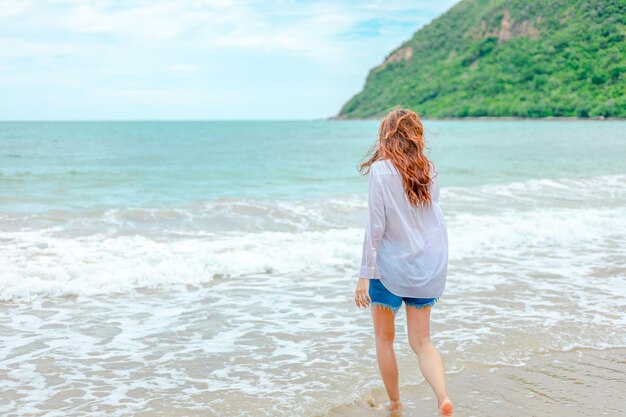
(405, 250)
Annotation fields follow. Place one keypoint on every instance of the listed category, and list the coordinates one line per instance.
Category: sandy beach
(579, 383)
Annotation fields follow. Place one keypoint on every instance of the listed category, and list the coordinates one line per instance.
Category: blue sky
(196, 59)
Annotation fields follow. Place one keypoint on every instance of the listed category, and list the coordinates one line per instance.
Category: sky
(195, 59)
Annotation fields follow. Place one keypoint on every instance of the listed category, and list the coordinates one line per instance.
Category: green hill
(524, 58)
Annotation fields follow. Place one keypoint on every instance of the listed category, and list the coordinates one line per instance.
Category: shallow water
(578, 383)
(189, 268)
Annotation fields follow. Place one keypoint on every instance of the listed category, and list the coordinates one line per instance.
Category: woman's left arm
(374, 228)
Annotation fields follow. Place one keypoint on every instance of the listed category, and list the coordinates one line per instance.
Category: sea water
(208, 268)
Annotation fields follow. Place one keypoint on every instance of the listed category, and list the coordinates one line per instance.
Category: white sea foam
(109, 254)
(40, 263)
(34, 263)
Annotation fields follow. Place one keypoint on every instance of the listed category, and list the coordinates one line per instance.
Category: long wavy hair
(401, 139)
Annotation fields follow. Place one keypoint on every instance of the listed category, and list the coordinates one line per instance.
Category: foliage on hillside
(525, 58)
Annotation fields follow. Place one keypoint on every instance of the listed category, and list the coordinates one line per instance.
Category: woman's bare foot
(396, 407)
(445, 408)
(395, 410)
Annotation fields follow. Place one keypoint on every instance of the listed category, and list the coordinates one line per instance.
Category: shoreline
(490, 118)
(580, 382)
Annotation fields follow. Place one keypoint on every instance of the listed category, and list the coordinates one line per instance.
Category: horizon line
(318, 119)
(162, 120)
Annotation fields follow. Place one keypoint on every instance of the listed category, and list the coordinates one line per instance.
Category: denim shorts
(384, 298)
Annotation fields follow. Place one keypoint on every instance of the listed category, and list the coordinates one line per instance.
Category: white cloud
(138, 47)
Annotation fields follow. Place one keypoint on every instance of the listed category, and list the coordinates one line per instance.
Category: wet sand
(581, 382)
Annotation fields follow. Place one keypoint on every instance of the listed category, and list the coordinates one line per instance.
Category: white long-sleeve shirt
(405, 247)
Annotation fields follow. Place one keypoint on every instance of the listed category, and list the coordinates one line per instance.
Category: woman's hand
(362, 295)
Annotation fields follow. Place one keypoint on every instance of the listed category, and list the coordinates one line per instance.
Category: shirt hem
(390, 285)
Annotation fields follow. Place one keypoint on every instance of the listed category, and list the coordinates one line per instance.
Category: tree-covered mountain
(526, 58)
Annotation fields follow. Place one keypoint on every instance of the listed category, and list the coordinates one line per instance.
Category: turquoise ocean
(208, 268)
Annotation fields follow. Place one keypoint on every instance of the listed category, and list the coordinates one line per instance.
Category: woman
(405, 250)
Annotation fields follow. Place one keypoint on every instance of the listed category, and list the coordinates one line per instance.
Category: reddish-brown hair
(401, 139)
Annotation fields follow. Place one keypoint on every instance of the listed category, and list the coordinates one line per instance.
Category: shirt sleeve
(374, 227)
(435, 184)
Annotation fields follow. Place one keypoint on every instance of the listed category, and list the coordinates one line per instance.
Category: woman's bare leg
(384, 331)
(418, 325)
